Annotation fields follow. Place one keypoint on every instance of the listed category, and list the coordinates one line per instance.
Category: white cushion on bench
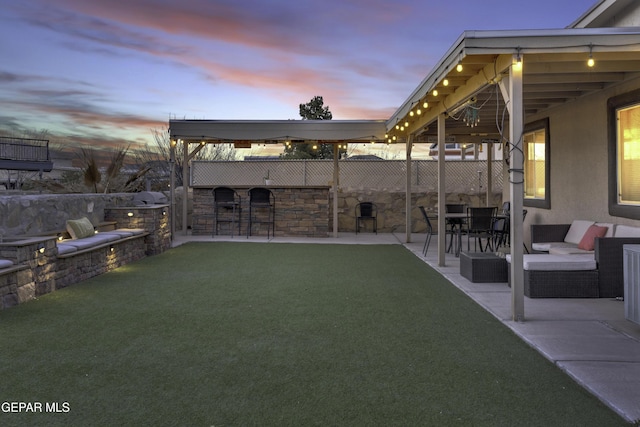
(88, 242)
(65, 249)
(4, 263)
(547, 262)
(134, 231)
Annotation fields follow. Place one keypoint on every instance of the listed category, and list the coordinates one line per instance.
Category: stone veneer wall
(152, 218)
(391, 208)
(308, 212)
(299, 211)
(22, 215)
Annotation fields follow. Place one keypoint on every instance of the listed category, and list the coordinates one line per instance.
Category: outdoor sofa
(578, 260)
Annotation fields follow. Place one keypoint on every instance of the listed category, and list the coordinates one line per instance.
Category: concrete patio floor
(589, 339)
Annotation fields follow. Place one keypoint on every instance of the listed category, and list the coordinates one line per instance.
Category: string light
(459, 67)
(591, 62)
(445, 82)
(435, 92)
(425, 105)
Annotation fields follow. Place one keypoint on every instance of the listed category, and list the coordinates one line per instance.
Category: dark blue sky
(106, 72)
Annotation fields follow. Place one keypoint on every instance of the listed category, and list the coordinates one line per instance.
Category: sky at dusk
(107, 72)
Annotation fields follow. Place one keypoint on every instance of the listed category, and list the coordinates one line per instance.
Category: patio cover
(202, 132)
(509, 76)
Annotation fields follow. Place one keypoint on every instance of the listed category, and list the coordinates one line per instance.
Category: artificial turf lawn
(278, 334)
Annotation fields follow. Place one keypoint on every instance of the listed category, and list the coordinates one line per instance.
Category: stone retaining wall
(22, 215)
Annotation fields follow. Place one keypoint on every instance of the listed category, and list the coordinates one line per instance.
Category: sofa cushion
(577, 230)
(610, 228)
(80, 228)
(587, 241)
(626, 231)
(546, 262)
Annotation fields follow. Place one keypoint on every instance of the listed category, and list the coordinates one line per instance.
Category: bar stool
(227, 208)
(262, 199)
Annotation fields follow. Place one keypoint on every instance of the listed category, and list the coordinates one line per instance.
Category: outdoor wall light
(41, 248)
(164, 211)
(518, 64)
(129, 214)
(111, 248)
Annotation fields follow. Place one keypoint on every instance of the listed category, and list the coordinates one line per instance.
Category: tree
(312, 110)
(157, 158)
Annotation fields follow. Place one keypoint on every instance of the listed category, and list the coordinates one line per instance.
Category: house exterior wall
(579, 170)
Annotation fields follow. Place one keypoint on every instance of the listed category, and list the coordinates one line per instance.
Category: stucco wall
(579, 172)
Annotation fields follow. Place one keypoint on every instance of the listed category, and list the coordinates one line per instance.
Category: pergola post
(516, 185)
(408, 190)
(185, 184)
(442, 196)
(489, 173)
(336, 183)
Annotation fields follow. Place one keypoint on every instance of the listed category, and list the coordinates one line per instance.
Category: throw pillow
(80, 228)
(588, 240)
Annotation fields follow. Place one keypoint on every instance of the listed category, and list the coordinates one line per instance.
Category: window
(535, 145)
(624, 155)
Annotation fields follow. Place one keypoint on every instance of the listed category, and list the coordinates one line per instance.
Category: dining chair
(262, 199)
(427, 241)
(366, 211)
(479, 223)
(227, 208)
(454, 225)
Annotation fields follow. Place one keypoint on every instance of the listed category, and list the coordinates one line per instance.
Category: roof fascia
(277, 130)
(510, 42)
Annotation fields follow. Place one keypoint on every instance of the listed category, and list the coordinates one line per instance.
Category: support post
(516, 185)
(408, 190)
(442, 196)
(336, 183)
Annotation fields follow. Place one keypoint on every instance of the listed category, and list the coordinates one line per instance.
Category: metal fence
(463, 176)
(24, 149)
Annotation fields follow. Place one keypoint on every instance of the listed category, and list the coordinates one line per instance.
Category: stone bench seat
(72, 247)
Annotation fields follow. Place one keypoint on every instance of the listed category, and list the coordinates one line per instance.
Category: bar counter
(301, 211)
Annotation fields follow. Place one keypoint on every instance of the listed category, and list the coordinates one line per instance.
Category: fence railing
(464, 176)
(34, 150)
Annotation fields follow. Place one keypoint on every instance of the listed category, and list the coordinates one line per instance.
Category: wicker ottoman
(483, 267)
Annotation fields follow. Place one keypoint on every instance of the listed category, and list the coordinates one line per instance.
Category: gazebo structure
(488, 85)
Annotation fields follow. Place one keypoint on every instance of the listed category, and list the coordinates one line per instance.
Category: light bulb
(425, 104)
(459, 68)
(591, 62)
(446, 82)
(435, 92)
